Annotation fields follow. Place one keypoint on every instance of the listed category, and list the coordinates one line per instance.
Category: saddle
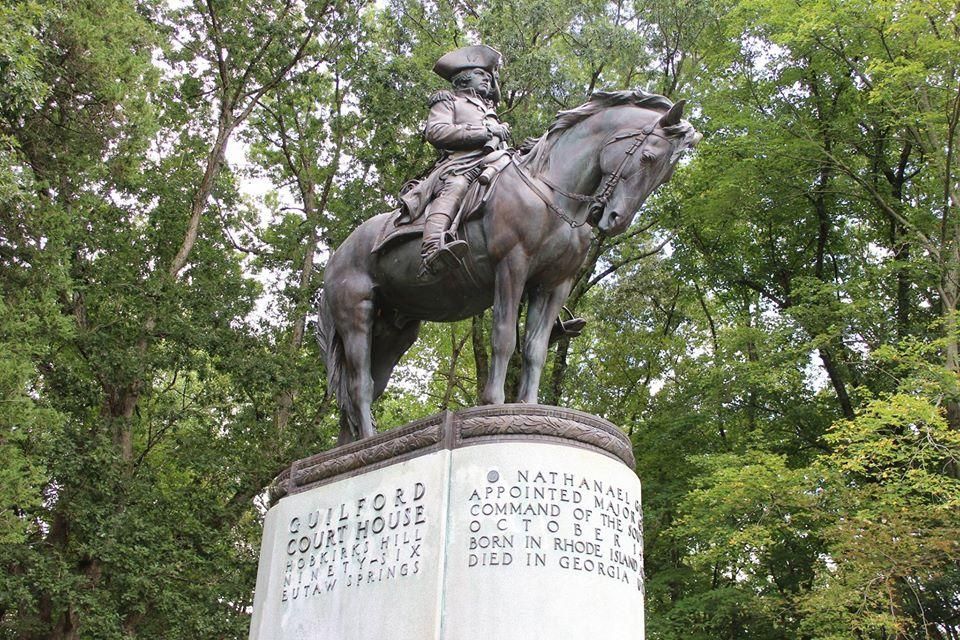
(470, 208)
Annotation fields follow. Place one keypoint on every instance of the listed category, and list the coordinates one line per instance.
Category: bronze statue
(527, 233)
(464, 126)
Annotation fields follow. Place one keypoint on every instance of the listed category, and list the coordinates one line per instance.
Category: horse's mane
(537, 154)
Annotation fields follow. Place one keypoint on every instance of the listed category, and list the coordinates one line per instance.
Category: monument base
(501, 522)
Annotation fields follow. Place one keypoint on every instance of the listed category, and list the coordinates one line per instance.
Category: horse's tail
(331, 348)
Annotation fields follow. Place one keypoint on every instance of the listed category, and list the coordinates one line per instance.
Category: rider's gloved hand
(499, 130)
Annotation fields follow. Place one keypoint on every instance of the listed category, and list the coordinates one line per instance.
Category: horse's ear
(673, 116)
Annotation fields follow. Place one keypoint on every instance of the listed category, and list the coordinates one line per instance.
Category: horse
(595, 167)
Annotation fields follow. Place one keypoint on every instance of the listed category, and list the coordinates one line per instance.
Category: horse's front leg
(542, 310)
(507, 291)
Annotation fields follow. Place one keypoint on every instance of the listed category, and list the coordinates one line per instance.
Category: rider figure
(464, 126)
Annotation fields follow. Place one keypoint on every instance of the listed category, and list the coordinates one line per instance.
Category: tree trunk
(559, 372)
(836, 381)
(304, 286)
(225, 126)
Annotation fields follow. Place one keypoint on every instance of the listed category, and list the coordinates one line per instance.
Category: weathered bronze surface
(527, 233)
(463, 125)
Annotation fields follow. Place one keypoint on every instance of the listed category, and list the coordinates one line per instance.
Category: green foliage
(21, 416)
(778, 333)
(895, 495)
(753, 524)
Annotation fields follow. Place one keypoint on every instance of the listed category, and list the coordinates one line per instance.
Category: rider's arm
(443, 132)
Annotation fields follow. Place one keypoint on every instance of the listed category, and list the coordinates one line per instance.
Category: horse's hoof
(567, 329)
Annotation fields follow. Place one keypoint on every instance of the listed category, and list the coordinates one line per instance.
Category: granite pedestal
(494, 523)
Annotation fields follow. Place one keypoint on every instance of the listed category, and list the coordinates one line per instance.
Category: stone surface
(517, 521)
(543, 541)
(329, 553)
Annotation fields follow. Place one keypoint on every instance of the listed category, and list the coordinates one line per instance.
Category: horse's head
(634, 162)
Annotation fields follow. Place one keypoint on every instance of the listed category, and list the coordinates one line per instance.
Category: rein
(639, 139)
(576, 196)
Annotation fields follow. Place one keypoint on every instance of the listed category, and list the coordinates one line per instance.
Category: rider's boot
(440, 253)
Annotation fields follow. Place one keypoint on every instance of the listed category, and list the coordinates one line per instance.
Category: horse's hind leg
(389, 344)
(353, 309)
(542, 310)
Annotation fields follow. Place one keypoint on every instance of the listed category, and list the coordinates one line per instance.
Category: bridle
(598, 202)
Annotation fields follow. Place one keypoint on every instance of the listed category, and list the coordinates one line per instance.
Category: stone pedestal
(508, 522)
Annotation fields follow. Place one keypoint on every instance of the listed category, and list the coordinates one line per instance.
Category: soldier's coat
(456, 126)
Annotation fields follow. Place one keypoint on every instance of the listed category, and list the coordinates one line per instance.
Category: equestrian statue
(486, 227)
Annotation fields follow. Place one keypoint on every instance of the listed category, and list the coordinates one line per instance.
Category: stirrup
(447, 257)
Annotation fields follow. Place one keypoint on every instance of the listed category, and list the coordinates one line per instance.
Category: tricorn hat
(477, 56)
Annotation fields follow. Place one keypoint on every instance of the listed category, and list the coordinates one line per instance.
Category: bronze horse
(594, 167)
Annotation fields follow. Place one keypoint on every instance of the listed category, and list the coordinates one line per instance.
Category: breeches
(451, 194)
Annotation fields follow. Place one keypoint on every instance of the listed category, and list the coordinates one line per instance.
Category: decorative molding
(368, 456)
(280, 487)
(513, 422)
(536, 421)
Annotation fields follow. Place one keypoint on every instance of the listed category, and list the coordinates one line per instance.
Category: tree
(777, 333)
(127, 306)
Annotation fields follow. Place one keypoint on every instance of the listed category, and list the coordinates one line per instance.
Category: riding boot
(438, 252)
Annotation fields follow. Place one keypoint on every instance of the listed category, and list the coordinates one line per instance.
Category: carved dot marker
(493, 475)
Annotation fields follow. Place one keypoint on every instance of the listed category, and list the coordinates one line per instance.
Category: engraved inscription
(531, 518)
(369, 539)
